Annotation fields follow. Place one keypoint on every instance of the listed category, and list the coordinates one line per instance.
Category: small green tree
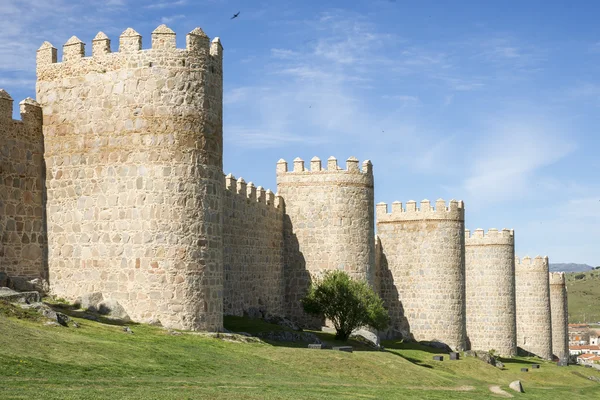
(347, 303)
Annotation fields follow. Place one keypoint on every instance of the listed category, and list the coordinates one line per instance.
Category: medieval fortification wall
(329, 223)
(490, 291)
(252, 249)
(134, 174)
(23, 250)
(534, 326)
(424, 252)
(127, 166)
(560, 316)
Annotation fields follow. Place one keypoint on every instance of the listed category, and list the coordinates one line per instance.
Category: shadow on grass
(72, 311)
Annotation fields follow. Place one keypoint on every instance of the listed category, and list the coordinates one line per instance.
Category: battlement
(557, 278)
(253, 194)
(526, 263)
(492, 237)
(352, 166)
(30, 110)
(454, 211)
(130, 53)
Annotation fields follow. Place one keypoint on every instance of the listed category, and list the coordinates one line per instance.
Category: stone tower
(534, 326)
(490, 291)
(22, 203)
(560, 316)
(423, 258)
(328, 223)
(133, 148)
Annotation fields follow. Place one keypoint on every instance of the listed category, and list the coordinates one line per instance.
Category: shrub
(348, 303)
(579, 276)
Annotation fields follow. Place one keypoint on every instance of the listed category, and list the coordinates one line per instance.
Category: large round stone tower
(133, 146)
(422, 266)
(534, 326)
(490, 291)
(560, 316)
(328, 223)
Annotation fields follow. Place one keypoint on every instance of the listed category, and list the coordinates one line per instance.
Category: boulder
(4, 280)
(21, 284)
(516, 386)
(366, 336)
(13, 296)
(113, 309)
(90, 301)
(436, 345)
(484, 356)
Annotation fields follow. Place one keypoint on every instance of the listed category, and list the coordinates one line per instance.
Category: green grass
(100, 361)
(584, 297)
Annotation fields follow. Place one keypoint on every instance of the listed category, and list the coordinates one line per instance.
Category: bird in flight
(235, 15)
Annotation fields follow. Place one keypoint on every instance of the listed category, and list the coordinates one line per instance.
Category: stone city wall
(252, 249)
(490, 291)
(424, 261)
(23, 245)
(534, 325)
(329, 223)
(133, 148)
(560, 316)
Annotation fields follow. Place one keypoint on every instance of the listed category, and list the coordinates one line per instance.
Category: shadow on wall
(297, 279)
(399, 327)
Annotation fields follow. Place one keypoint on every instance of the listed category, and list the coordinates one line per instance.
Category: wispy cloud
(166, 4)
(508, 159)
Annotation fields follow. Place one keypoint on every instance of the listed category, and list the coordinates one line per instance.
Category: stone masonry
(560, 316)
(534, 326)
(114, 184)
(490, 291)
(23, 249)
(252, 249)
(424, 257)
(329, 223)
(133, 150)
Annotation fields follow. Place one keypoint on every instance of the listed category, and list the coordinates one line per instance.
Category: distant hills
(570, 267)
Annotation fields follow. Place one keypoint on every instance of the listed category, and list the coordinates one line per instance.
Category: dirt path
(497, 390)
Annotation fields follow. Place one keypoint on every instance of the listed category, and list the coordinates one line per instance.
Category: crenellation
(261, 195)
(100, 45)
(332, 164)
(492, 237)
(6, 105)
(251, 191)
(216, 48)
(46, 54)
(298, 164)
(130, 41)
(198, 42)
(315, 164)
(557, 278)
(73, 50)
(241, 187)
(454, 211)
(163, 38)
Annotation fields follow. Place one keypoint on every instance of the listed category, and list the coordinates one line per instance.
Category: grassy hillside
(584, 296)
(100, 361)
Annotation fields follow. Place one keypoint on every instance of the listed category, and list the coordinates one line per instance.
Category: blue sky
(495, 103)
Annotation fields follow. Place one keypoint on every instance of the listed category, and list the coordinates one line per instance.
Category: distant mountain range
(570, 267)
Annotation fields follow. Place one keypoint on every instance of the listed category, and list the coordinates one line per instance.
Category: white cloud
(506, 161)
